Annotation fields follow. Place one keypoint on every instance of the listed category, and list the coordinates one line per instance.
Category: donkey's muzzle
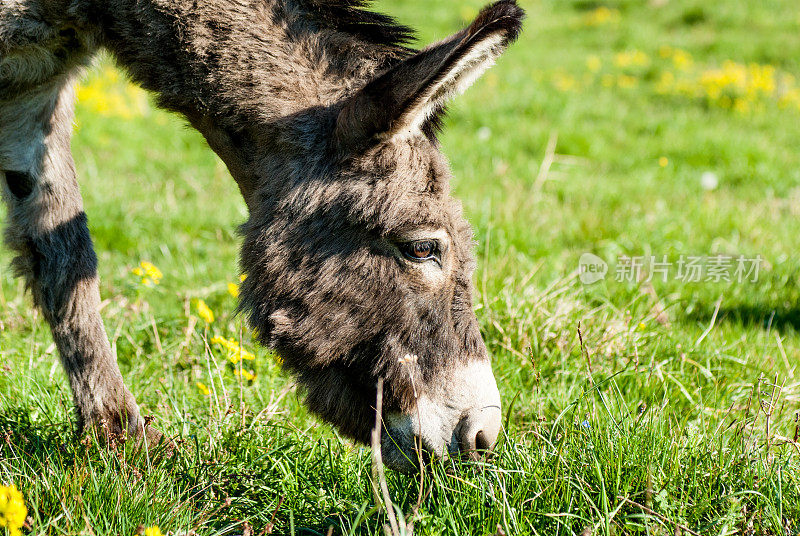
(458, 415)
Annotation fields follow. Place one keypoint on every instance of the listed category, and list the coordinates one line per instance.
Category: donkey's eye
(420, 250)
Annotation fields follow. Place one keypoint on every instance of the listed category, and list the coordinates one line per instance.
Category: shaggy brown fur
(326, 120)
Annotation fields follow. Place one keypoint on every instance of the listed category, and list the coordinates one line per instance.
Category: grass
(632, 408)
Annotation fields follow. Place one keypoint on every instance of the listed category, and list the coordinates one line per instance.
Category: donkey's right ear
(402, 100)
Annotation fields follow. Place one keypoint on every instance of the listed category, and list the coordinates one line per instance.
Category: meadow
(658, 400)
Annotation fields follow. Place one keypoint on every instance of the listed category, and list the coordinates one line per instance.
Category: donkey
(359, 262)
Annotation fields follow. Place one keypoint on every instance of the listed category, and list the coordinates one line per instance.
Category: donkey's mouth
(460, 418)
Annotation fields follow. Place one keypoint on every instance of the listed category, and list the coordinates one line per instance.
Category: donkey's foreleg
(47, 228)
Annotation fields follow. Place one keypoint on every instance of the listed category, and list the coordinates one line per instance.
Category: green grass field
(621, 128)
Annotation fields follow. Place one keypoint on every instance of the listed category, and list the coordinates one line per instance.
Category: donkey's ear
(405, 99)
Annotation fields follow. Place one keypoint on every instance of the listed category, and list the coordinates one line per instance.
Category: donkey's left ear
(403, 100)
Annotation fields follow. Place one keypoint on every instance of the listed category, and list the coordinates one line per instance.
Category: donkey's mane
(354, 18)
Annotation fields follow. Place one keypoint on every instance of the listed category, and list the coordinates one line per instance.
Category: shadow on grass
(23, 437)
(764, 315)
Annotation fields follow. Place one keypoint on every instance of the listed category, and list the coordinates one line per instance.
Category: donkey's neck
(231, 66)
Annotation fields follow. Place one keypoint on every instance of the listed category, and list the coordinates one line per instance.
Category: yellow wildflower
(248, 375)
(242, 277)
(736, 86)
(564, 82)
(761, 78)
(233, 290)
(741, 106)
(790, 97)
(205, 311)
(593, 63)
(681, 59)
(663, 161)
(631, 58)
(235, 352)
(203, 389)
(12, 509)
(108, 93)
(601, 16)
(665, 83)
(148, 272)
(626, 82)
(151, 270)
(153, 531)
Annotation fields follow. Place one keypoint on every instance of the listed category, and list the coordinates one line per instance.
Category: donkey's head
(360, 264)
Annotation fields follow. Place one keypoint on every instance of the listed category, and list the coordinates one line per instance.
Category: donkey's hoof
(156, 444)
(139, 433)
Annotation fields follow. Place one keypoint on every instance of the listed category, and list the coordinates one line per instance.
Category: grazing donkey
(359, 261)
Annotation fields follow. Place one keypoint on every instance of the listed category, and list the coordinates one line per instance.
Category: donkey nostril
(479, 430)
(481, 442)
